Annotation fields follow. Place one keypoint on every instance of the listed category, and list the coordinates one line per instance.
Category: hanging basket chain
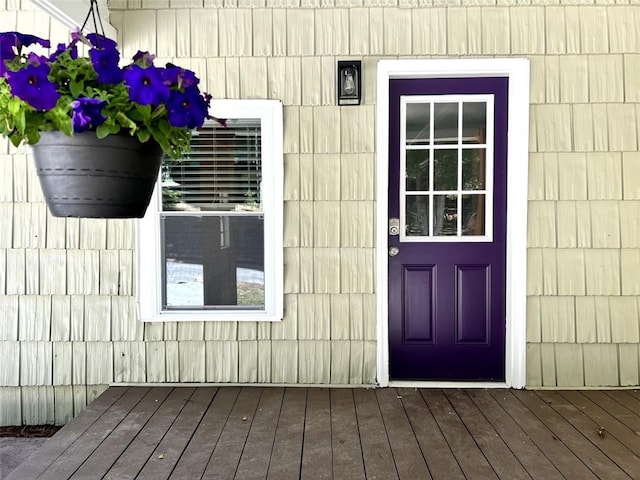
(94, 14)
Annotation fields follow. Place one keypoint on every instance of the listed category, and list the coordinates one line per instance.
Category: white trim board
(71, 13)
(419, 384)
(517, 71)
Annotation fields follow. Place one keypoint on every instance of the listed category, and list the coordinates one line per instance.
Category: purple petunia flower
(76, 35)
(146, 85)
(144, 59)
(180, 77)
(73, 51)
(11, 44)
(105, 63)
(19, 40)
(87, 113)
(101, 42)
(32, 85)
(187, 109)
(36, 60)
(6, 51)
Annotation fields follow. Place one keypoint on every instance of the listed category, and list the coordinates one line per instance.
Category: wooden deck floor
(312, 433)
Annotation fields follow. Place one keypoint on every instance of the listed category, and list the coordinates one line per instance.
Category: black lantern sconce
(349, 82)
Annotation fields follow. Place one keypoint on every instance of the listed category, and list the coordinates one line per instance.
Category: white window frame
(488, 99)
(148, 233)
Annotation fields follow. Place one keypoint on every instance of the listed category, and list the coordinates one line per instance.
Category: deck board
(526, 451)
(607, 424)
(464, 447)
(617, 410)
(569, 465)
(254, 462)
(195, 458)
(502, 460)
(138, 452)
(408, 458)
(435, 449)
(167, 454)
(601, 442)
(317, 458)
(376, 451)
(599, 463)
(345, 442)
(91, 439)
(227, 452)
(103, 457)
(627, 399)
(279, 433)
(37, 464)
(286, 455)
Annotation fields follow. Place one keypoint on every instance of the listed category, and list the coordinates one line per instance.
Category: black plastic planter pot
(83, 176)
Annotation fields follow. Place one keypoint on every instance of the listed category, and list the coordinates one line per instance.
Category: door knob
(393, 251)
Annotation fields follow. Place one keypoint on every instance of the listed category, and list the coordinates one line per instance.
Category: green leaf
(33, 137)
(125, 121)
(144, 135)
(102, 131)
(66, 128)
(14, 106)
(165, 126)
(76, 87)
(20, 121)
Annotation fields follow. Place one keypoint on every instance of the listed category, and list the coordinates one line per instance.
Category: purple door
(447, 228)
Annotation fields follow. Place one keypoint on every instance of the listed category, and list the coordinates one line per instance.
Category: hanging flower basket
(76, 110)
(84, 176)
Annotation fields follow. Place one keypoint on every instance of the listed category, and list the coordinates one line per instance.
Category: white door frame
(517, 70)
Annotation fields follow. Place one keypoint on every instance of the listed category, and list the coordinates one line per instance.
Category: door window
(446, 147)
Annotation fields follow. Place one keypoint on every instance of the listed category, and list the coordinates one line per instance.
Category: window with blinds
(212, 221)
(203, 240)
(221, 172)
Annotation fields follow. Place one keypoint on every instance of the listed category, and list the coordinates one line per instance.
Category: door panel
(447, 188)
(473, 305)
(418, 303)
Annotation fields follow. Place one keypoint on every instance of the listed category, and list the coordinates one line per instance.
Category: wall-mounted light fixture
(349, 82)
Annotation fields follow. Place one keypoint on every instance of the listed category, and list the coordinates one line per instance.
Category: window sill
(207, 316)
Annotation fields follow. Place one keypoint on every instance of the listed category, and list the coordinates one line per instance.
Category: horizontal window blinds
(221, 172)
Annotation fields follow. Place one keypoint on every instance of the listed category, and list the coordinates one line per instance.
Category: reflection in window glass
(474, 122)
(417, 172)
(445, 123)
(417, 216)
(213, 261)
(473, 215)
(445, 215)
(473, 169)
(445, 170)
(418, 131)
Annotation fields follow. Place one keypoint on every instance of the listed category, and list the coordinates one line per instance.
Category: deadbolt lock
(394, 226)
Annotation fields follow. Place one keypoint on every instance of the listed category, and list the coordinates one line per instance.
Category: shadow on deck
(289, 433)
